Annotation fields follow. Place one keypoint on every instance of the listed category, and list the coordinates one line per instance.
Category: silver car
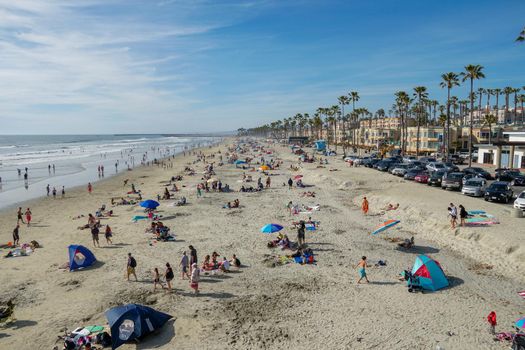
(400, 170)
(436, 167)
(474, 187)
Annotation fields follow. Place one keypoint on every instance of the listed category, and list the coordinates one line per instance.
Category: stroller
(412, 282)
(518, 343)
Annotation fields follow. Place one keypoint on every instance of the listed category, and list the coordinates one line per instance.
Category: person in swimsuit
(19, 216)
(362, 270)
(156, 279)
(108, 234)
(94, 234)
(169, 275)
(364, 206)
(28, 216)
(16, 235)
(462, 214)
(90, 188)
(184, 264)
(453, 213)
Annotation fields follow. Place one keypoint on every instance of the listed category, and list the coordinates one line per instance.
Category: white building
(508, 153)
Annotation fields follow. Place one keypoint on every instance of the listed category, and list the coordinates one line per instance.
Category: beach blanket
(139, 217)
(480, 218)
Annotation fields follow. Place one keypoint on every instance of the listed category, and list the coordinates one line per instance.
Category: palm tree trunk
(470, 126)
(447, 150)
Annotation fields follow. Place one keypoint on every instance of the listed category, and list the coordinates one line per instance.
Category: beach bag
(103, 339)
(133, 262)
(69, 345)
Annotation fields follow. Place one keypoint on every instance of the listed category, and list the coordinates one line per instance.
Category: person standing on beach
(362, 270)
(491, 319)
(63, 191)
(94, 234)
(169, 275)
(108, 234)
(453, 213)
(199, 191)
(48, 189)
(462, 215)
(54, 193)
(156, 279)
(195, 277)
(193, 256)
(19, 216)
(90, 188)
(300, 234)
(28, 216)
(16, 235)
(184, 264)
(268, 182)
(132, 264)
(290, 183)
(364, 206)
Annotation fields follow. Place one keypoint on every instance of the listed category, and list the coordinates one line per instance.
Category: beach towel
(522, 294)
(139, 217)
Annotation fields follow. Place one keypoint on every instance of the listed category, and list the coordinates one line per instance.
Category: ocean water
(76, 160)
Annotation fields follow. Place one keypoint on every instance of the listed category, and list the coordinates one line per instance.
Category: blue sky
(130, 66)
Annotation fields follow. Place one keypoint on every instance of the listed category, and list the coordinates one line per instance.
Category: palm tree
(481, 91)
(449, 80)
(497, 93)
(472, 72)
(516, 103)
(521, 99)
(354, 97)
(490, 92)
(334, 112)
(507, 91)
(488, 120)
(343, 100)
(420, 92)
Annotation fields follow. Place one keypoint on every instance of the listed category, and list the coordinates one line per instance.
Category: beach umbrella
(297, 177)
(149, 204)
(385, 225)
(271, 228)
(520, 323)
(264, 167)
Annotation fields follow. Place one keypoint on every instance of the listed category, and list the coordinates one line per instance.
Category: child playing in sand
(362, 270)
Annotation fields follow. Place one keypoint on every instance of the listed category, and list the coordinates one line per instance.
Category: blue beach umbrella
(385, 226)
(520, 323)
(271, 228)
(149, 204)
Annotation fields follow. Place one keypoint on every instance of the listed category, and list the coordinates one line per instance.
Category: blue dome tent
(80, 257)
(429, 273)
(133, 321)
(320, 145)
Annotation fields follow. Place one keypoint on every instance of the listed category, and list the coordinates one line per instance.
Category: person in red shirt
(491, 318)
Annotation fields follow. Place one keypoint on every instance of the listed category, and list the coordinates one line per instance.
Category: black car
(456, 159)
(369, 163)
(435, 178)
(478, 172)
(412, 173)
(452, 181)
(383, 165)
(499, 191)
(510, 175)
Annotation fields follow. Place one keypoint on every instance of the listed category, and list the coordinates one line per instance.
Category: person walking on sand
(364, 206)
(195, 277)
(108, 234)
(156, 279)
(453, 213)
(169, 275)
(94, 234)
(132, 264)
(16, 235)
(193, 256)
(63, 191)
(28, 216)
(362, 270)
(48, 189)
(463, 214)
(199, 191)
(300, 234)
(54, 193)
(268, 182)
(90, 188)
(19, 217)
(184, 264)
(290, 183)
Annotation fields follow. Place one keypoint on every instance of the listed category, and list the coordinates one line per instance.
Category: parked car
(499, 191)
(400, 169)
(435, 166)
(456, 159)
(452, 181)
(412, 173)
(427, 160)
(479, 172)
(435, 178)
(450, 167)
(384, 165)
(514, 176)
(422, 177)
(371, 162)
(519, 203)
(474, 187)
(416, 164)
(408, 159)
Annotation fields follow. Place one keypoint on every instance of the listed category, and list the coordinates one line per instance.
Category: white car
(436, 167)
(519, 203)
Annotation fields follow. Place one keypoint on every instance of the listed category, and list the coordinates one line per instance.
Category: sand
(263, 306)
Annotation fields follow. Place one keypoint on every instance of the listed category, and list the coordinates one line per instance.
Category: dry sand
(314, 306)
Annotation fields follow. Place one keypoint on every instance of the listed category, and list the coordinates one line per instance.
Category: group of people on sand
(232, 205)
(453, 214)
(189, 269)
(53, 191)
(95, 226)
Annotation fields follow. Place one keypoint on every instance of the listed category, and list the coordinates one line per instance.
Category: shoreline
(258, 306)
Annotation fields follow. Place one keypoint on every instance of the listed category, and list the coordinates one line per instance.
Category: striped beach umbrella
(385, 226)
